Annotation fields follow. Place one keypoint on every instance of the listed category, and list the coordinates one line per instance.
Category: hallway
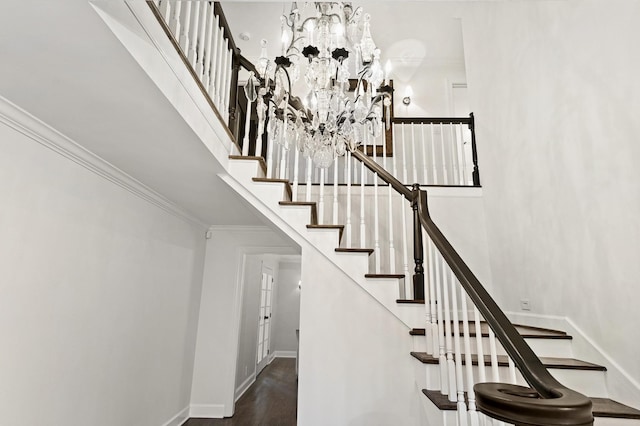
(270, 401)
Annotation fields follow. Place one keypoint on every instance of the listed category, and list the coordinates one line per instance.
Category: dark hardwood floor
(270, 401)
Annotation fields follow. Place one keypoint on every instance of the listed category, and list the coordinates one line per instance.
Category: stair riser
(560, 348)
(588, 382)
(249, 168)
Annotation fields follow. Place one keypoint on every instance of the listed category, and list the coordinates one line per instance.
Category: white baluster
(493, 352)
(462, 406)
(392, 250)
(463, 156)
(165, 10)
(405, 180)
(413, 154)
(406, 236)
(214, 58)
(308, 182)
(455, 158)
(434, 171)
(219, 69)
(321, 200)
(270, 144)
(448, 333)
(227, 83)
(363, 228)
(376, 212)
(201, 39)
(423, 142)
(283, 160)
(482, 375)
(224, 111)
(442, 329)
(296, 172)
(185, 27)
(473, 414)
(247, 126)
(435, 338)
(260, 110)
(335, 192)
(348, 225)
(192, 54)
(207, 45)
(512, 370)
(445, 172)
(174, 23)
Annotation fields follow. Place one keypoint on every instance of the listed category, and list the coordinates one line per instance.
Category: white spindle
(455, 159)
(406, 237)
(270, 144)
(435, 337)
(185, 27)
(219, 68)
(225, 71)
(423, 142)
(442, 329)
(214, 58)
(493, 352)
(376, 213)
(335, 192)
(363, 228)
(307, 197)
(192, 54)
(512, 370)
(392, 250)
(482, 375)
(296, 172)
(227, 83)
(321, 200)
(348, 225)
(201, 39)
(174, 23)
(458, 147)
(413, 154)
(463, 156)
(451, 367)
(207, 45)
(283, 159)
(473, 415)
(165, 10)
(462, 406)
(247, 125)
(434, 171)
(445, 172)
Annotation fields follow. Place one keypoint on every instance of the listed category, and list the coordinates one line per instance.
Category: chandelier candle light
(326, 47)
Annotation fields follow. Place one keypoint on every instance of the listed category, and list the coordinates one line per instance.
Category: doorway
(264, 318)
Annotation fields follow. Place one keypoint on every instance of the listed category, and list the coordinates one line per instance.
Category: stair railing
(547, 402)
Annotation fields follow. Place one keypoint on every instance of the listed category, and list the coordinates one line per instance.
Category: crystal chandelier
(326, 48)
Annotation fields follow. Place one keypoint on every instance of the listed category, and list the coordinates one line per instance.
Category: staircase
(552, 346)
(453, 348)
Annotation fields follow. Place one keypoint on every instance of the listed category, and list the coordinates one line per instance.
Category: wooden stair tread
(384, 276)
(602, 407)
(260, 160)
(287, 184)
(410, 301)
(354, 250)
(312, 204)
(605, 407)
(525, 331)
(549, 362)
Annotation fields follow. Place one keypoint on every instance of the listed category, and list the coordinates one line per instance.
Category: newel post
(418, 253)
(474, 151)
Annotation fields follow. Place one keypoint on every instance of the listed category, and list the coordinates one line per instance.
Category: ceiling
(62, 64)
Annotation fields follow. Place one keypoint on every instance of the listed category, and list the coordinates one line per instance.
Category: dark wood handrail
(550, 403)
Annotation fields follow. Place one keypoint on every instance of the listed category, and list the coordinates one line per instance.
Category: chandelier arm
(304, 23)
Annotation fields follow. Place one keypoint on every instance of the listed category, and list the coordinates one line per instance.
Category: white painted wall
(219, 324)
(99, 292)
(355, 367)
(286, 308)
(556, 92)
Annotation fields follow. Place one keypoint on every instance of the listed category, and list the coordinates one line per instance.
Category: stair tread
(524, 330)
(312, 204)
(602, 407)
(605, 407)
(549, 362)
(384, 276)
(286, 183)
(410, 301)
(354, 250)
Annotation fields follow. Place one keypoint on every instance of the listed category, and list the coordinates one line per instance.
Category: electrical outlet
(525, 305)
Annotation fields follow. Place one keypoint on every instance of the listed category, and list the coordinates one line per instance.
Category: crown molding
(23, 122)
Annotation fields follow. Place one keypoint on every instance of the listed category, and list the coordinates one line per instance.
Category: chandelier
(327, 48)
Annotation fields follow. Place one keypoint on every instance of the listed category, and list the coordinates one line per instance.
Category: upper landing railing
(421, 152)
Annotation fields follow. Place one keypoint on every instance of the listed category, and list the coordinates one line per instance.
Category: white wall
(219, 324)
(100, 293)
(556, 90)
(286, 309)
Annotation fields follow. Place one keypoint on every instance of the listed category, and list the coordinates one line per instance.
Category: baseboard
(621, 385)
(284, 354)
(207, 411)
(179, 418)
(244, 386)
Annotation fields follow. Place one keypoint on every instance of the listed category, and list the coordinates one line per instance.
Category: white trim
(240, 228)
(207, 411)
(284, 354)
(21, 121)
(179, 418)
(245, 386)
